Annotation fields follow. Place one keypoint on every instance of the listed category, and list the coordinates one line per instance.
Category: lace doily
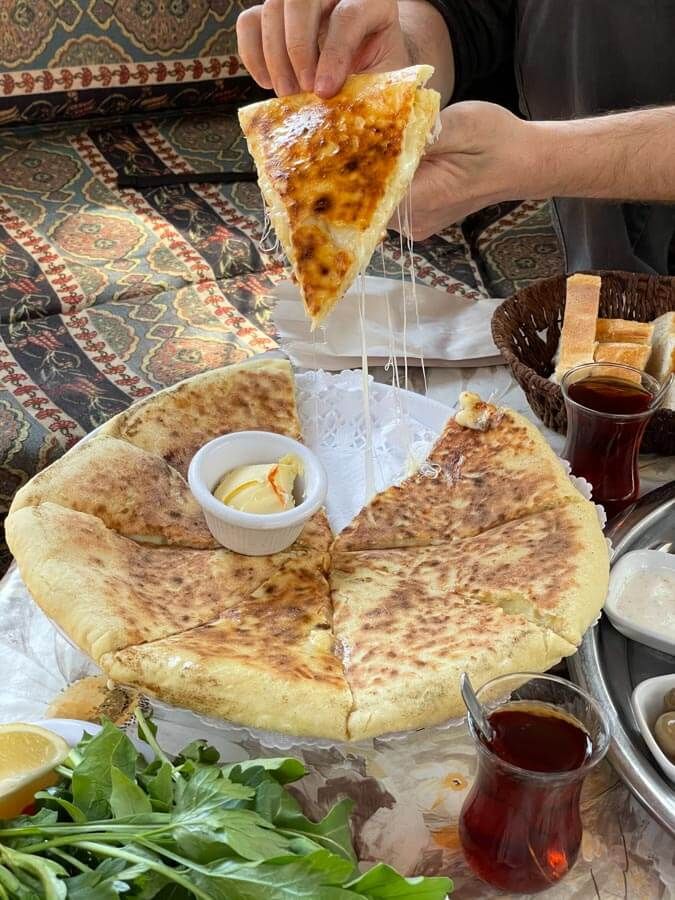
(404, 426)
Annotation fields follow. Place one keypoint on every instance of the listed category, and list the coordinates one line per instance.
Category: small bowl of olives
(653, 703)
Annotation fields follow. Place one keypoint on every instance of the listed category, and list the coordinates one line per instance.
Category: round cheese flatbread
(487, 561)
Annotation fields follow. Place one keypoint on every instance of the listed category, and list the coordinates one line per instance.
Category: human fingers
(302, 21)
(350, 24)
(276, 55)
(250, 45)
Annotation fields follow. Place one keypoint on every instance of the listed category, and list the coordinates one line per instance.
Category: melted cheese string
(413, 280)
(404, 289)
(267, 231)
(368, 425)
(315, 385)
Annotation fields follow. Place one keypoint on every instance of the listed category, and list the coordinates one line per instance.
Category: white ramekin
(250, 533)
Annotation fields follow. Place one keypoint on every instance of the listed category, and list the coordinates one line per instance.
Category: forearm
(625, 156)
(428, 41)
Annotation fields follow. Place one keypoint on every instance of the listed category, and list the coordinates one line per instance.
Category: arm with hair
(623, 156)
(485, 155)
(427, 40)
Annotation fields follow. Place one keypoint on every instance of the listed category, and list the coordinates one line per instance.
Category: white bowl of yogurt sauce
(641, 599)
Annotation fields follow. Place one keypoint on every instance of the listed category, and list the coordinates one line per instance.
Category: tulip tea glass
(608, 409)
(520, 826)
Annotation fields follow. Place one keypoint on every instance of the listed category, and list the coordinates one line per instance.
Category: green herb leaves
(183, 829)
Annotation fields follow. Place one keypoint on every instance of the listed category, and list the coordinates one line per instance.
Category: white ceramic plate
(631, 565)
(647, 703)
(71, 730)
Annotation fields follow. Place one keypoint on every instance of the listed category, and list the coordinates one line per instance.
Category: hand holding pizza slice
(333, 171)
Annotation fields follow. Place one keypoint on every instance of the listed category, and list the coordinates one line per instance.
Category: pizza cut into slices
(489, 466)
(174, 423)
(268, 662)
(333, 172)
(405, 636)
(107, 592)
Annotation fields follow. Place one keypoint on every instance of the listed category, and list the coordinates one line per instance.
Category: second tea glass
(521, 829)
(603, 447)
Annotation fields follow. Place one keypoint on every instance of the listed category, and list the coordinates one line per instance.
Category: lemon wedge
(28, 756)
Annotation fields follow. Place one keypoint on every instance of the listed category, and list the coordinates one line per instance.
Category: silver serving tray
(609, 665)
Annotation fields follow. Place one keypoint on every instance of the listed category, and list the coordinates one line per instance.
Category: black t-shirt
(483, 39)
(574, 58)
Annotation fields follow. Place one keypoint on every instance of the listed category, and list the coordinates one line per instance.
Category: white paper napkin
(451, 331)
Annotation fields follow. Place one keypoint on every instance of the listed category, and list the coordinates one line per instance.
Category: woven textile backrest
(64, 60)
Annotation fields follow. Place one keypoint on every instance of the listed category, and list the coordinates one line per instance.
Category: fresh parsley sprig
(117, 825)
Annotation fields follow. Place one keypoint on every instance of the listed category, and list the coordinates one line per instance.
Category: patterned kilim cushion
(73, 60)
(107, 295)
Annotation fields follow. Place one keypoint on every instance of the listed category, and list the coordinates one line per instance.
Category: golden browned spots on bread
(258, 395)
(475, 479)
(133, 492)
(332, 172)
(108, 592)
(267, 662)
(635, 355)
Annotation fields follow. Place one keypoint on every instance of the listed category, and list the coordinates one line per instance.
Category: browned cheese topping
(331, 161)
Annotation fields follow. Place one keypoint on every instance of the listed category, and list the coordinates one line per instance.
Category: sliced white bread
(635, 355)
(577, 338)
(623, 331)
(662, 360)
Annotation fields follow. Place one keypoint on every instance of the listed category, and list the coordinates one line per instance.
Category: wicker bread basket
(526, 328)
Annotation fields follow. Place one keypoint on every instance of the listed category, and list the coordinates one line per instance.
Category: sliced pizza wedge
(133, 492)
(107, 592)
(332, 172)
(174, 423)
(405, 636)
(551, 568)
(489, 466)
(268, 662)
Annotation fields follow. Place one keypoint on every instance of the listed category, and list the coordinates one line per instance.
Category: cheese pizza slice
(107, 592)
(552, 568)
(405, 635)
(257, 395)
(332, 172)
(267, 662)
(133, 492)
(489, 466)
